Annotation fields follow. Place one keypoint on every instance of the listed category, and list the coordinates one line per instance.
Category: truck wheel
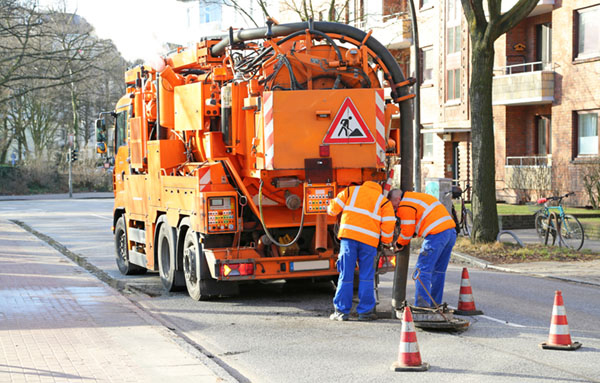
(171, 278)
(194, 266)
(122, 252)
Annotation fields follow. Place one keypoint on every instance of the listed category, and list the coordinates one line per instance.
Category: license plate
(309, 265)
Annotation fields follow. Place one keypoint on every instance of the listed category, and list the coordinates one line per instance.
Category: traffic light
(74, 155)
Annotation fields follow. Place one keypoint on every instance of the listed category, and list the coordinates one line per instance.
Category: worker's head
(395, 195)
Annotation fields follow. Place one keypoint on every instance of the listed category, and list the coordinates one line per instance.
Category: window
(428, 145)
(453, 42)
(426, 3)
(587, 133)
(427, 65)
(544, 136)
(453, 84)
(121, 129)
(588, 44)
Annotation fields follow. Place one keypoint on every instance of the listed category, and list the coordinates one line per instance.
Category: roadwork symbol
(348, 127)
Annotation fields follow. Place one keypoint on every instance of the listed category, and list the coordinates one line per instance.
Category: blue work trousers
(431, 267)
(350, 252)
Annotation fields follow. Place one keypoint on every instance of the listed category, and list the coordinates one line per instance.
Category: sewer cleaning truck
(227, 152)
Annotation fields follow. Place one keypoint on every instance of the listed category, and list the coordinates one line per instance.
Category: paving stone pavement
(58, 323)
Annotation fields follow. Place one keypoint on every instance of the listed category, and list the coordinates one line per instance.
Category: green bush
(39, 177)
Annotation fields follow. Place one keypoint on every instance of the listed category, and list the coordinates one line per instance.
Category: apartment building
(545, 94)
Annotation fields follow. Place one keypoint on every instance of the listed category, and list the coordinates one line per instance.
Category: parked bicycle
(464, 223)
(569, 231)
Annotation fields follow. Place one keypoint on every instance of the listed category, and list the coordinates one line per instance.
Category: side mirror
(101, 148)
(101, 132)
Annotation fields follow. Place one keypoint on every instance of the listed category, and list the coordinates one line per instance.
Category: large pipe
(406, 116)
(321, 233)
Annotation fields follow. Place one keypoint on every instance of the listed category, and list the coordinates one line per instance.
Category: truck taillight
(237, 269)
(324, 150)
(387, 261)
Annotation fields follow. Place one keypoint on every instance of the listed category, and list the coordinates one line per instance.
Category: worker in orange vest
(367, 219)
(423, 215)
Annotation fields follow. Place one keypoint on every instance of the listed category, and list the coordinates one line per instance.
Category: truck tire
(122, 251)
(200, 284)
(171, 278)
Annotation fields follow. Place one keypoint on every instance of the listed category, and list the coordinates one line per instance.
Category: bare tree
(484, 32)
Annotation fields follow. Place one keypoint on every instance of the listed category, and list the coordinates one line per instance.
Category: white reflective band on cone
(559, 329)
(409, 348)
(559, 310)
(466, 298)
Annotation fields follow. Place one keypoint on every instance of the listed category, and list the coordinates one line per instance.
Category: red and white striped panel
(380, 127)
(268, 130)
(204, 179)
(388, 184)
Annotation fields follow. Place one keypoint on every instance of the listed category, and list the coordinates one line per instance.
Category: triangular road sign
(348, 127)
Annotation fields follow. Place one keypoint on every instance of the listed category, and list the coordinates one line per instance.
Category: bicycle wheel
(541, 220)
(571, 232)
(467, 222)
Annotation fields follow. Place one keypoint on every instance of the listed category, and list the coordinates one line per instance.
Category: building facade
(545, 99)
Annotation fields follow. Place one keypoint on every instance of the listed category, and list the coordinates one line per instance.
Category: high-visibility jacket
(422, 214)
(367, 216)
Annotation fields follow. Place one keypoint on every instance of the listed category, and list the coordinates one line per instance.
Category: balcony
(529, 172)
(393, 31)
(524, 84)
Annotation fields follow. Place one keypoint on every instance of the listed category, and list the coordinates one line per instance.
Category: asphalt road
(280, 333)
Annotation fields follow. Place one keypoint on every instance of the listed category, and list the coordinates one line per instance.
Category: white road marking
(100, 216)
(501, 321)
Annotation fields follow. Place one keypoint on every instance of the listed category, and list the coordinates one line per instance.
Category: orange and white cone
(388, 184)
(466, 303)
(559, 338)
(409, 357)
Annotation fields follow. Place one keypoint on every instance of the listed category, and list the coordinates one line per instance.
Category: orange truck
(226, 153)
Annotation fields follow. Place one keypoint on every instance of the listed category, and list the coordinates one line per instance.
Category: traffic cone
(559, 338)
(388, 184)
(409, 357)
(466, 303)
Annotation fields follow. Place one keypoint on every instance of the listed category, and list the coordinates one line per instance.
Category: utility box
(440, 188)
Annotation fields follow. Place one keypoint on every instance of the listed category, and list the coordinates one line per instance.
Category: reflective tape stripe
(377, 204)
(405, 237)
(339, 202)
(559, 310)
(558, 329)
(354, 195)
(362, 211)
(388, 219)
(465, 298)
(409, 348)
(385, 235)
(426, 213)
(359, 230)
(434, 224)
(417, 201)
(407, 222)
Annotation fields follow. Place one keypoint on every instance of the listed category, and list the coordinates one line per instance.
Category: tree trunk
(485, 216)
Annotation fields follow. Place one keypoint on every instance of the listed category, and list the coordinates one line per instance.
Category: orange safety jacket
(367, 215)
(422, 214)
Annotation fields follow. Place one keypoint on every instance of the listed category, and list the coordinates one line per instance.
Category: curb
(470, 260)
(204, 356)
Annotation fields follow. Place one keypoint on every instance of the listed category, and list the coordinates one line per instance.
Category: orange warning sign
(348, 127)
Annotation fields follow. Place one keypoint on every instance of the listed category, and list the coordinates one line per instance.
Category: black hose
(265, 226)
(326, 27)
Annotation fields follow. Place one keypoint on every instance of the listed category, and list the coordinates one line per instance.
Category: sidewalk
(58, 323)
(587, 272)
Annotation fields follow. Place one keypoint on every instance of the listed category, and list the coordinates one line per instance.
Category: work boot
(339, 316)
(367, 316)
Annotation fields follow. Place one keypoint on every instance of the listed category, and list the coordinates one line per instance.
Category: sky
(139, 28)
